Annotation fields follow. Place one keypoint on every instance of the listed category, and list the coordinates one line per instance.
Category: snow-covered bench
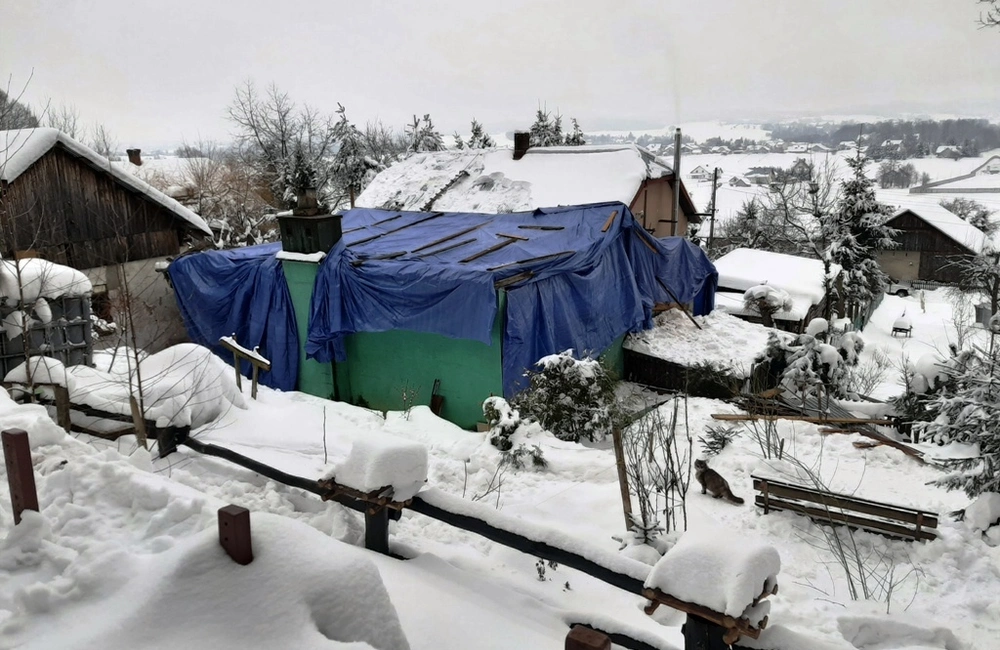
(898, 522)
(902, 325)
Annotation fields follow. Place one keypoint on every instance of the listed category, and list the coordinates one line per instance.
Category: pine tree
(479, 139)
(575, 137)
(459, 143)
(858, 234)
(423, 136)
(968, 413)
(352, 168)
(543, 131)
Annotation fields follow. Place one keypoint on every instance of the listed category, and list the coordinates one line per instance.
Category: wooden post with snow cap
(582, 637)
(20, 473)
(234, 533)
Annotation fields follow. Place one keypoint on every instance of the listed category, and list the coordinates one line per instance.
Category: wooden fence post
(582, 637)
(377, 530)
(616, 436)
(234, 533)
(700, 634)
(62, 407)
(20, 473)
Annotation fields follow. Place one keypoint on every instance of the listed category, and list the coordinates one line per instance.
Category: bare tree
(990, 17)
(271, 128)
(66, 118)
(103, 141)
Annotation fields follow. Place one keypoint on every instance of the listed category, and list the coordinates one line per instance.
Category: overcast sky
(159, 72)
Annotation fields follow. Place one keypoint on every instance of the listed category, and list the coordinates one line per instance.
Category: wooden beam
(518, 237)
(530, 260)
(724, 620)
(741, 417)
(611, 220)
(484, 253)
(448, 238)
(679, 303)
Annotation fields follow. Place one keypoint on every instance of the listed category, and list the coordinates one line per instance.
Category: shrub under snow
(572, 398)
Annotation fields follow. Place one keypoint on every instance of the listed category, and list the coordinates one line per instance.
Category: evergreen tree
(479, 139)
(575, 137)
(352, 168)
(859, 233)
(459, 143)
(423, 136)
(544, 131)
(968, 413)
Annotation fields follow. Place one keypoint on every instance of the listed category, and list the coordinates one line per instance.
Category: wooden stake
(62, 407)
(20, 473)
(138, 421)
(611, 220)
(234, 533)
(616, 436)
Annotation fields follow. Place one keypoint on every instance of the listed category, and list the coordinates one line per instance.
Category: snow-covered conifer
(479, 139)
(575, 137)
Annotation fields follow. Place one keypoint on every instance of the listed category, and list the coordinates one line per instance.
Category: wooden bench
(897, 522)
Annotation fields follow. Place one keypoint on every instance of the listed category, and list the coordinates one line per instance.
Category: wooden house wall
(70, 213)
(655, 200)
(938, 252)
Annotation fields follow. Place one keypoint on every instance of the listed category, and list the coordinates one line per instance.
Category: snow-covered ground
(124, 545)
(125, 551)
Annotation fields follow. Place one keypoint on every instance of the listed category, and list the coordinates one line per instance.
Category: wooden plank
(741, 625)
(464, 242)
(518, 237)
(395, 230)
(611, 220)
(448, 238)
(741, 417)
(679, 303)
(530, 260)
(542, 227)
(377, 223)
(484, 253)
(514, 279)
(832, 500)
(822, 516)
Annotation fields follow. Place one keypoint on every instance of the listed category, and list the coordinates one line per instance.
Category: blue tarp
(240, 292)
(579, 277)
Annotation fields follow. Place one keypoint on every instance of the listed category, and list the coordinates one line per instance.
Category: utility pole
(711, 223)
(676, 210)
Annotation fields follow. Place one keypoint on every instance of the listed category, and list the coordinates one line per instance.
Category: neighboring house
(760, 175)
(700, 173)
(948, 151)
(818, 148)
(797, 147)
(440, 308)
(505, 180)
(800, 277)
(61, 201)
(983, 179)
(847, 145)
(931, 240)
(739, 181)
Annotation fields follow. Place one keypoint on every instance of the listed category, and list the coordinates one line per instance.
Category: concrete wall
(901, 265)
(138, 288)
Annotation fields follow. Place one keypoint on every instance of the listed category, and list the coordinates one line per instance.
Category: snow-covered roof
(953, 226)
(20, 149)
(490, 180)
(743, 268)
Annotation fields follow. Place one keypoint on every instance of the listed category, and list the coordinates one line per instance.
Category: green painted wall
(381, 366)
(315, 378)
(614, 358)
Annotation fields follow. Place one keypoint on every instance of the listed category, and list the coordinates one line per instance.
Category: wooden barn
(61, 201)
(931, 240)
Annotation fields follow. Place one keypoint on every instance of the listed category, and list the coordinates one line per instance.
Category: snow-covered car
(901, 288)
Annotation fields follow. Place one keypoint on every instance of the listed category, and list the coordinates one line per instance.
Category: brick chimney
(522, 140)
(135, 156)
